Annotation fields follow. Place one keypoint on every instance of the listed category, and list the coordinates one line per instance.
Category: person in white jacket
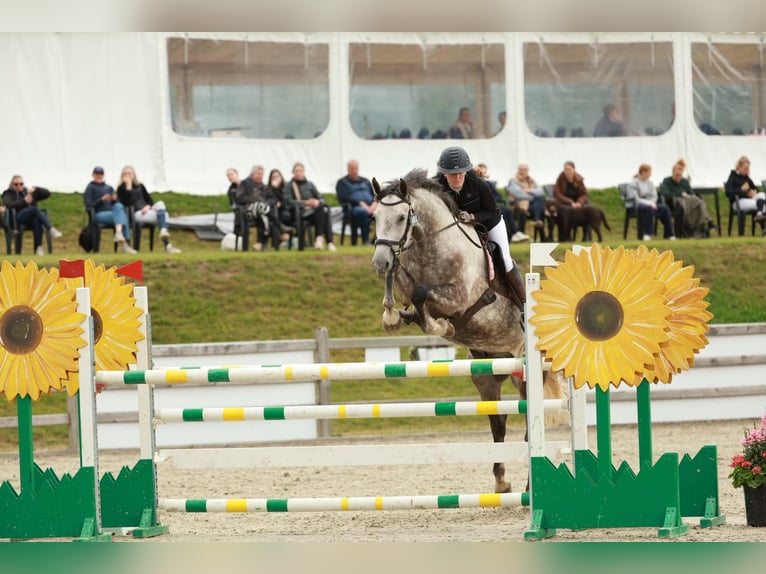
(643, 191)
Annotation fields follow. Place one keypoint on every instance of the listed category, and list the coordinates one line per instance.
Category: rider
(476, 203)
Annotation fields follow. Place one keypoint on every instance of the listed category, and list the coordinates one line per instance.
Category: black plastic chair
(96, 230)
(348, 222)
(8, 231)
(136, 228)
(741, 216)
(17, 230)
(631, 211)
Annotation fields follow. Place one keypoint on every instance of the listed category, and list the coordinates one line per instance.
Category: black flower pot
(755, 505)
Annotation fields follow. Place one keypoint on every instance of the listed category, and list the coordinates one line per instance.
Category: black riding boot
(516, 281)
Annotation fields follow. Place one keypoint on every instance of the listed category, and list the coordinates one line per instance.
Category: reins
(405, 242)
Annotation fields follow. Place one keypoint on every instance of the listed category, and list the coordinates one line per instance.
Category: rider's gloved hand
(465, 217)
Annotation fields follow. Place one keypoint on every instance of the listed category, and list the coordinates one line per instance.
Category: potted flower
(749, 472)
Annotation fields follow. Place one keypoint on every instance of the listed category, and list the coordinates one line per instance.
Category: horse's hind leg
(489, 390)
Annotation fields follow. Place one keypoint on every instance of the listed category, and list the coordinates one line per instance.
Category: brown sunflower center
(98, 325)
(21, 330)
(599, 315)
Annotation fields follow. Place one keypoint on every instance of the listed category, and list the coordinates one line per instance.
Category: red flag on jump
(69, 269)
(133, 270)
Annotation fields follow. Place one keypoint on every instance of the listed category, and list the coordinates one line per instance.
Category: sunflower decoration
(601, 316)
(116, 324)
(40, 331)
(688, 320)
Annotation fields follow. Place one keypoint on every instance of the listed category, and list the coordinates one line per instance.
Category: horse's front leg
(435, 303)
(391, 318)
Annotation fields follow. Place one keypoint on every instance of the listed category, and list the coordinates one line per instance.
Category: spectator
(24, 201)
(101, 197)
(314, 209)
(514, 234)
(357, 191)
(610, 124)
(690, 211)
(529, 196)
(501, 117)
(251, 196)
(569, 189)
(569, 192)
(133, 195)
(477, 205)
(642, 190)
(275, 196)
(463, 124)
(740, 185)
(233, 176)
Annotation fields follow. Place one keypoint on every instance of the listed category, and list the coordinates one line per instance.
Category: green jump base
(657, 496)
(66, 507)
(127, 500)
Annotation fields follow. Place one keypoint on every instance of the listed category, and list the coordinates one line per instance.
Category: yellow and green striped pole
(424, 502)
(315, 371)
(353, 411)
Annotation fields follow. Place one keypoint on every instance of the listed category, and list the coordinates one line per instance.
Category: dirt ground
(486, 525)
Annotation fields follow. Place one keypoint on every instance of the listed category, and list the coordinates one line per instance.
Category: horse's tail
(555, 387)
(603, 220)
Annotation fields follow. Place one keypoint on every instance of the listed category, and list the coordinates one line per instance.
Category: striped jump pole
(315, 371)
(425, 502)
(354, 411)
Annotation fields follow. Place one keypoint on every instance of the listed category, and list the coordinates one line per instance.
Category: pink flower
(756, 469)
(747, 464)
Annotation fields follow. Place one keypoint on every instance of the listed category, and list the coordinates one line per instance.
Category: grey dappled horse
(439, 267)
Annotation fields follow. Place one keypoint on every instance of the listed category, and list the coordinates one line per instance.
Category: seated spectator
(689, 211)
(24, 201)
(642, 190)
(251, 196)
(569, 191)
(741, 186)
(529, 197)
(515, 235)
(133, 195)
(101, 197)
(463, 125)
(501, 118)
(316, 212)
(610, 124)
(275, 196)
(357, 191)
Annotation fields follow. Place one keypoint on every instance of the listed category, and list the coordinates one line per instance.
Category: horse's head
(394, 220)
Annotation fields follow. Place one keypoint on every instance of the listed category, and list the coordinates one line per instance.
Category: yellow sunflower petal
(115, 316)
(687, 323)
(600, 316)
(39, 330)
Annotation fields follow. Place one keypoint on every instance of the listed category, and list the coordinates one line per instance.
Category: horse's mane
(417, 179)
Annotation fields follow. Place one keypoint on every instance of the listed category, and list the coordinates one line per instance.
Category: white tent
(182, 108)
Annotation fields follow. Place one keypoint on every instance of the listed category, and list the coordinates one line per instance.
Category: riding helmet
(454, 160)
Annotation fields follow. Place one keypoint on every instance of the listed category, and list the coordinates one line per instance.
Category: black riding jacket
(476, 198)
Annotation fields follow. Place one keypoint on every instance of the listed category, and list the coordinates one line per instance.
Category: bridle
(405, 241)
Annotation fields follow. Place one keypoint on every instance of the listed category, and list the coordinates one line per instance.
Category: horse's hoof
(391, 321)
(503, 487)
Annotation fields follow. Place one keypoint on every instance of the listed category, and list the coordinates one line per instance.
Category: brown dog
(569, 219)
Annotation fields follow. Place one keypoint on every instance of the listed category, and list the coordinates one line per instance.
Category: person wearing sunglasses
(24, 201)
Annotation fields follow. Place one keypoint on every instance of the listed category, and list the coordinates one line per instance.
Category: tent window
(263, 90)
(569, 88)
(417, 91)
(729, 88)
